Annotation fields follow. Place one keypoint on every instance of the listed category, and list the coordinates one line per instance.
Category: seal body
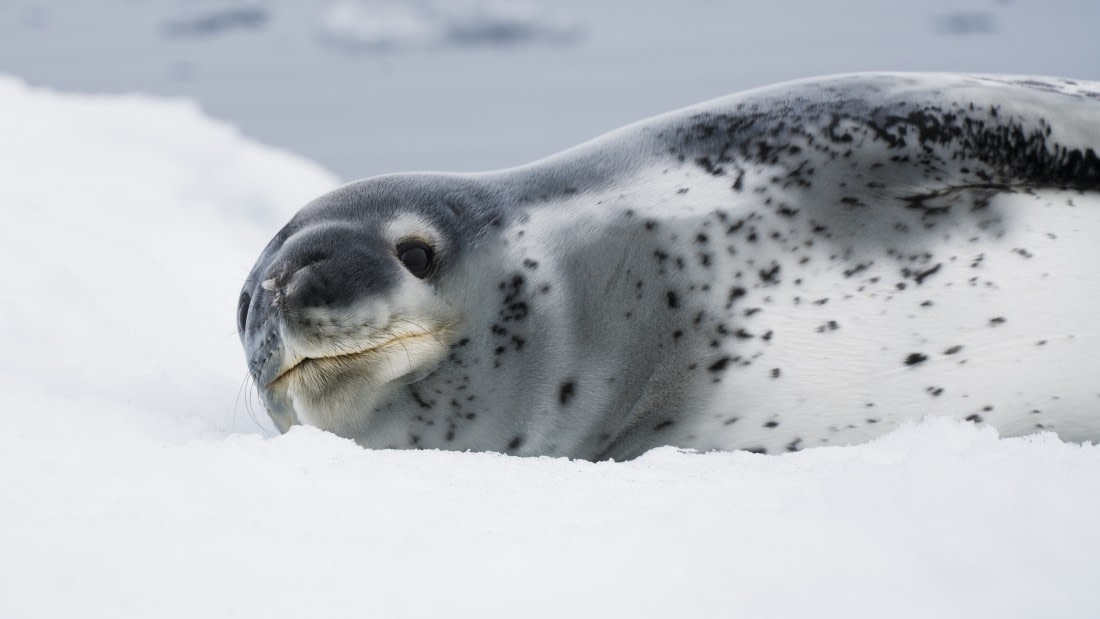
(807, 264)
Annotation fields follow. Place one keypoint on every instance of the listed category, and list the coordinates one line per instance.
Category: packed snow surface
(137, 478)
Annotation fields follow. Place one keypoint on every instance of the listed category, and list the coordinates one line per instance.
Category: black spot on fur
(737, 184)
(735, 293)
(708, 165)
(770, 276)
(915, 358)
(566, 392)
(920, 277)
(419, 400)
(673, 300)
(719, 365)
(856, 269)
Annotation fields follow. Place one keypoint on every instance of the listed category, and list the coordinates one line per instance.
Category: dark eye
(242, 310)
(416, 256)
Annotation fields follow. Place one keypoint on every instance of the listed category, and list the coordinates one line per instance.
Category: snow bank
(129, 226)
(134, 484)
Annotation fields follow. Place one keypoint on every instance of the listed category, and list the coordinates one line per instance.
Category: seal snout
(309, 272)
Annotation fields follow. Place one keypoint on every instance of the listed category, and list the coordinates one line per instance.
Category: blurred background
(366, 87)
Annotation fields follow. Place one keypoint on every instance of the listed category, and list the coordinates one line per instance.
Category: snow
(139, 478)
(135, 481)
(130, 225)
(938, 520)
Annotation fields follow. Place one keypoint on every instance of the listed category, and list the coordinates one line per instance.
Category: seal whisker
(425, 330)
(247, 389)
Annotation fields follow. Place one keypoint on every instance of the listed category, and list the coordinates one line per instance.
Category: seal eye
(242, 310)
(416, 256)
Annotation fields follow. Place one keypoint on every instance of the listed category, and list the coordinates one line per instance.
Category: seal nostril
(242, 310)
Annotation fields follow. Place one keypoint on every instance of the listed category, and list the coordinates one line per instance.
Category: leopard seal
(805, 264)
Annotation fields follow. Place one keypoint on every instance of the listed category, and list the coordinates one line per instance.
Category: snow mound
(402, 24)
(134, 484)
(129, 226)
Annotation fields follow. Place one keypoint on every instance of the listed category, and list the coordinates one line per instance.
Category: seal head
(346, 304)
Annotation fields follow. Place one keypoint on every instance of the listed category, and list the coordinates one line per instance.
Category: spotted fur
(807, 264)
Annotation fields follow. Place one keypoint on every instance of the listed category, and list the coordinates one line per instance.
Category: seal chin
(399, 359)
(337, 392)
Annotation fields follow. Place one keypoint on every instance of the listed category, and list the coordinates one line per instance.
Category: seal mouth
(346, 358)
